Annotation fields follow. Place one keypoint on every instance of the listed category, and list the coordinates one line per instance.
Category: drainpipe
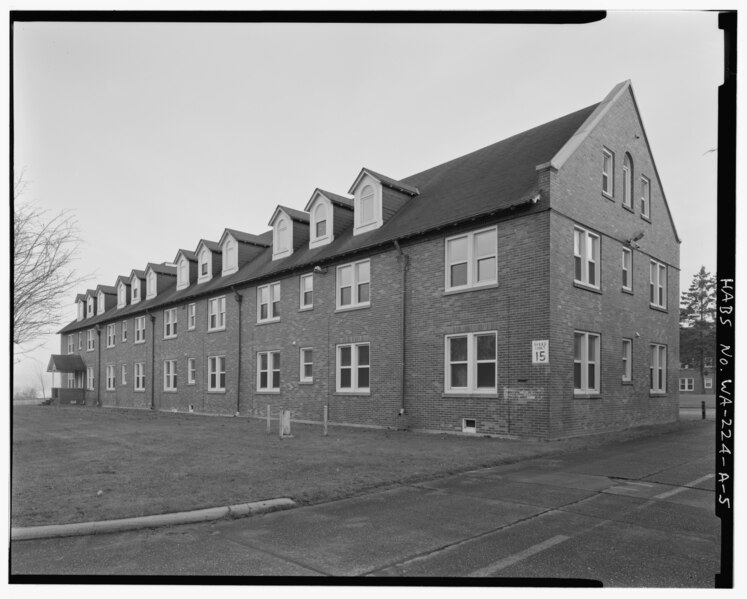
(98, 365)
(152, 360)
(405, 261)
(238, 297)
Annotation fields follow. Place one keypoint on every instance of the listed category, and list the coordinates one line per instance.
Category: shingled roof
(499, 177)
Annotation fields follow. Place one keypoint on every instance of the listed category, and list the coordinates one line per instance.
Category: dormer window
(367, 211)
(205, 265)
(230, 256)
(150, 285)
(366, 206)
(182, 273)
(90, 307)
(320, 221)
(121, 295)
(101, 305)
(81, 310)
(136, 291)
(281, 238)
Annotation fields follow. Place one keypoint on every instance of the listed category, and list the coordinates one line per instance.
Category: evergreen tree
(697, 320)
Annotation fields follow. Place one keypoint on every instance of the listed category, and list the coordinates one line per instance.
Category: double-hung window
(217, 313)
(472, 260)
(268, 303)
(586, 257)
(354, 285)
(268, 371)
(471, 363)
(645, 197)
(658, 284)
(627, 269)
(124, 331)
(217, 373)
(353, 368)
(124, 374)
(70, 343)
(707, 383)
(585, 362)
(139, 376)
(169, 323)
(307, 291)
(608, 172)
(80, 340)
(306, 367)
(687, 384)
(140, 329)
(111, 335)
(90, 340)
(627, 181)
(110, 378)
(627, 360)
(191, 371)
(191, 316)
(169, 375)
(658, 368)
(89, 378)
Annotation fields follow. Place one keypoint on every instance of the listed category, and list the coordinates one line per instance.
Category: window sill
(192, 384)
(268, 392)
(311, 382)
(626, 290)
(468, 289)
(268, 321)
(216, 330)
(139, 390)
(110, 346)
(171, 337)
(628, 208)
(191, 328)
(584, 286)
(169, 390)
(471, 394)
(626, 382)
(306, 308)
(608, 196)
(353, 393)
(658, 308)
(657, 394)
(216, 391)
(595, 395)
(646, 218)
(139, 342)
(353, 307)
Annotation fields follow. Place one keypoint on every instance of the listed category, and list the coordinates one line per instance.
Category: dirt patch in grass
(82, 464)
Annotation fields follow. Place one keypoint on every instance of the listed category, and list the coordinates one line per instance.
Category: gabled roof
(65, 363)
(384, 180)
(124, 280)
(211, 245)
(107, 289)
(161, 269)
(296, 215)
(242, 237)
(191, 256)
(81, 297)
(91, 293)
(332, 197)
(140, 274)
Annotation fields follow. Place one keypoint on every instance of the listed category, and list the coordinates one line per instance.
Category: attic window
(182, 275)
(366, 206)
(368, 213)
(321, 223)
(150, 285)
(205, 265)
(136, 290)
(90, 306)
(121, 296)
(81, 310)
(101, 305)
(230, 264)
(281, 243)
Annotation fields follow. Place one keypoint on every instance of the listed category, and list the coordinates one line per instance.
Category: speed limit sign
(541, 352)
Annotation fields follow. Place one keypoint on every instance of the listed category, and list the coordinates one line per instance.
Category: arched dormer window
(121, 295)
(150, 285)
(204, 265)
(182, 274)
(101, 305)
(367, 214)
(281, 235)
(230, 255)
(628, 181)
(366, 205)
(81, 310)
(91, 311)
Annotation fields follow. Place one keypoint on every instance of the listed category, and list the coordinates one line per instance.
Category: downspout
(152, 360)
(405, 261)
(98, 365)
(238, 297)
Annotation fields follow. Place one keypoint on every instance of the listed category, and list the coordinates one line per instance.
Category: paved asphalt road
(632, 514)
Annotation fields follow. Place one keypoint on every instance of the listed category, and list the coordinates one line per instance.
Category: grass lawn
(80, 464)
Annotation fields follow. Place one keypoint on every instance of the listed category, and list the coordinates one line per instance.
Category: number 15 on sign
(541, 352)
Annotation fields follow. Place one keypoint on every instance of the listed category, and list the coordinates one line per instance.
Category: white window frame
(355, 368)
(707, 382)
(169, 375)
(707, 362)
(90, 340)
(376, 206)
(273, 366)
(111, 335)
(230, 256)
(124, 331)
(111, 379)
(140, 329)
(687, 384)
(216, 370)
(645, 197)
(585, 362)
(627, 180)
(100, 303)
(302, 292)
(81, 310)
(191, 371)
(217, 309)
(319, 240)
(170, 321)
(70, 343)
(305, 360)
(191, 317)
(90, 379)
(204, 258)
(356, 281)
(121, 295)
(80, 340)
(139, 376)
(182, 272)
(608, 176)
(124, 375)
(272, 303)
(472, 260)
(581, 239)
(135, 291)
(627, 269)
(471, 362)
(658, 368)
(658, 284)
(282, 236)
(90, 307)
(151, 284)
(627, 360)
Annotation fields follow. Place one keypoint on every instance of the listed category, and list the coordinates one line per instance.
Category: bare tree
(44, 250)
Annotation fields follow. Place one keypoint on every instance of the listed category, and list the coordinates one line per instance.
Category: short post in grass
(285, 424)
(702, 409)
(325, 420)
(269, 428)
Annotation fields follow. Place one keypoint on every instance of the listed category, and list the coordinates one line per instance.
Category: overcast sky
(158, 135)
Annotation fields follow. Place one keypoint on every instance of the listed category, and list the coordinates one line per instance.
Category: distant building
(693, 380)
(529, 289)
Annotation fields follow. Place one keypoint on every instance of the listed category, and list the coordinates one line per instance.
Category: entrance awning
(71, 363)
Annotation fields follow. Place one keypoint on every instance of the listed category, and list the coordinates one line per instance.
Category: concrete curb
(241, 510)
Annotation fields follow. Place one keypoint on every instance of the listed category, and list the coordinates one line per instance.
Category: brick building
(529, 288)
